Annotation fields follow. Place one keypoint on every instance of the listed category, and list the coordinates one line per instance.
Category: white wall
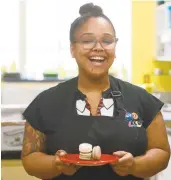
(9, 31)
(47, 32)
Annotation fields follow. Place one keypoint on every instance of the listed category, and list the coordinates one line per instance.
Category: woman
(95, 108)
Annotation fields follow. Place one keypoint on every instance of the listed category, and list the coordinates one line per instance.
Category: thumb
(61, 153)
(119, 153)
(58, 154)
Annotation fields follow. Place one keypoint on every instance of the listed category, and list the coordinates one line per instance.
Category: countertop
(33, 81)
(166, 116)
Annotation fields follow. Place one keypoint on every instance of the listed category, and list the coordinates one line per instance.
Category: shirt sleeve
(32, 113)
(150, 107)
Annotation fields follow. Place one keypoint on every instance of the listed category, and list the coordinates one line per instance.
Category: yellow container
(162, 83)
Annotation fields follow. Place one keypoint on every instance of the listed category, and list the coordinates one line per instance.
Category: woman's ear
(115, 47)
(72, 50)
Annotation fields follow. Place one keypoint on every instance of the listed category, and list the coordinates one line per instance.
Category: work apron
(110, 133)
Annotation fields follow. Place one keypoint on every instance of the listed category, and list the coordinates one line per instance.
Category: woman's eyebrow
(89, 33)
(108, 34)
(86, 34)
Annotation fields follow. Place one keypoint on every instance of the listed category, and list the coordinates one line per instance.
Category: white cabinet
(163, 32)
(22, 93)
(12, 137)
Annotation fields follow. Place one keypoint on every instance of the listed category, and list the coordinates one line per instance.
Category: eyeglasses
(89, 42)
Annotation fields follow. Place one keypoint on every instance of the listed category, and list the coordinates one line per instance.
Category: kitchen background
(34, 55)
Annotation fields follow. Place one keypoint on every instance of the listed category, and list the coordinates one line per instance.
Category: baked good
(85, 151)
(96, 153)
(89, 153)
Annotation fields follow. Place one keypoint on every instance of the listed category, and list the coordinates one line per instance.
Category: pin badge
(135, 116)
(138, 124)
(130, 124)
(128, 116)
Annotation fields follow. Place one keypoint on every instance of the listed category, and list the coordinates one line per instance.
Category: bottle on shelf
(160, 2)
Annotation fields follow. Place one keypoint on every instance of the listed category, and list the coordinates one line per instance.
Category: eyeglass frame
(79, 41)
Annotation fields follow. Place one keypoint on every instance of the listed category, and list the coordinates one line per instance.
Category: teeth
(97, 58)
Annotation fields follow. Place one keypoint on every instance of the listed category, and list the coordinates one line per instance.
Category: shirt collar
(108, 103)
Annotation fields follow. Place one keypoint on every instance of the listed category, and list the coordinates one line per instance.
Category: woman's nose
(98, 46)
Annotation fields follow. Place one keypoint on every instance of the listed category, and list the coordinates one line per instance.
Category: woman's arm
(158, 153)
(34, 159)
(155, 159)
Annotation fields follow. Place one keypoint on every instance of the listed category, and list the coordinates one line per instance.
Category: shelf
(162, 76)
(162, 59)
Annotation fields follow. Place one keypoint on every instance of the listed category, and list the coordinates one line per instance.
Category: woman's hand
(67, 169)
(125, 164)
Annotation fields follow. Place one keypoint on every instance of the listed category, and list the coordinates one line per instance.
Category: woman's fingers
(61, 153)
(65, 168)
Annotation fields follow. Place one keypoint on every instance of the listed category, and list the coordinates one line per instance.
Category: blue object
(169, 16)
(128, 116)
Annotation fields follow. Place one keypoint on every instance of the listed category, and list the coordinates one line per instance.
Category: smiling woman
(95, 108)
(93, 47)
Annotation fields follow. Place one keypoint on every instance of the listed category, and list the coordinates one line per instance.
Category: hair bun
(90, 8)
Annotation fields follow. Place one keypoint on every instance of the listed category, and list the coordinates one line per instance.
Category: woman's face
(94, 47)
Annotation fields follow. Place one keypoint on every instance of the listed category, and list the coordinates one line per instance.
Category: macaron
(85, 151)
(96, 153)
